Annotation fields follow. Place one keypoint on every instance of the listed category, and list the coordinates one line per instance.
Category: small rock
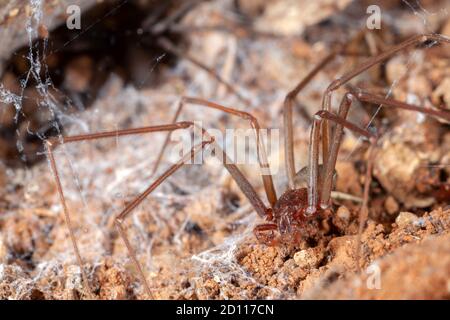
(14, 12)
(405, 218)
(341, 220)
(308, 258)
(343, 213)
(391, 205)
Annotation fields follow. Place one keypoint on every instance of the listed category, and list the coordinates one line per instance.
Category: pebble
(14, 12)
(308, 258)
(343, 213)
(405, 218)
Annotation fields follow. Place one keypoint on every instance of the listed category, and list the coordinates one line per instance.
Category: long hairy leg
(330, 164)
(293, 94)
(169, 46)
(313, 191)
(236, 174)
(357, 94)
(261, 150)
(288, 118)
(313, 185)
(370, 62)
(51, 144)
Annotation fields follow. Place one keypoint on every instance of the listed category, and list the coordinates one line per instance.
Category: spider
(294, 214)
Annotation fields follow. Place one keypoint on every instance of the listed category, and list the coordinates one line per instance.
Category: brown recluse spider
(290, 215)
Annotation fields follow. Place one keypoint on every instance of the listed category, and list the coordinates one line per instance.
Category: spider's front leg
(236, 174)
(261, 150)
(50, 146)
(289, 101)
(321, 198)
(266, 233)
(330, 146)
(367, 64)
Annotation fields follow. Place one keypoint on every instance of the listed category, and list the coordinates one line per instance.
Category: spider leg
(67, 219)
(237, 175)
(341, 122)
(166, 140)
(370, 62)
(375, 99)
(290, 100)
(330, 163)
(261, 150)
(51, 144)
(169, 46)
(136, 201)
(326, 135)
(362, 96)
(242, 182)
(288, 118)
(260, 232)
(364, 213)
(313, 190)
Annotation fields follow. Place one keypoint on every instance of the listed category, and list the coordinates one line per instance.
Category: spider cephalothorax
(290, 217)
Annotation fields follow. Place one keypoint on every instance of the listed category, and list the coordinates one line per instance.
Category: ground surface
(193, 235)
